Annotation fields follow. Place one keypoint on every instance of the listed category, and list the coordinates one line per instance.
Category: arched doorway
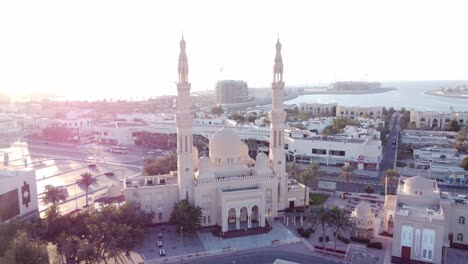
(232, 219)
(255, 217)
(435, 123)
(243, 218)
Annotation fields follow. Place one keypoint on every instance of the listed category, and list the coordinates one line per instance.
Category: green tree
(453, 125)
(53, 195)
(26, 250)
(87, 180)
(327, 131)
(251, 118)
(8, 232)
(162, 165)
(292, 169)
(464, 163)
(307, 176)
(347, 173)
(186, 216)
(217, 110)
(369, 189)
(341, 221)
(392, 178)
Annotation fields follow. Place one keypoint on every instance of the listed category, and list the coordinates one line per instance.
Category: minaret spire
(278, 67)
(277, 119)
(185, 164)
(183, 63)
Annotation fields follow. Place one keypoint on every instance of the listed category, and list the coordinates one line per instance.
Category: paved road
(266, 257)
(388, 160)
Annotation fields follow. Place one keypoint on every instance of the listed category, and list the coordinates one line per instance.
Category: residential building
(318, 109)
(357, 111)
(231, 91)
(440, 120)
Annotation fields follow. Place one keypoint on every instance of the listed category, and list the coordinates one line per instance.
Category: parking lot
(173, 243)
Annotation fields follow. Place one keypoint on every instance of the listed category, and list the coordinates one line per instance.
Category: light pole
(76, 198)
(181, 228)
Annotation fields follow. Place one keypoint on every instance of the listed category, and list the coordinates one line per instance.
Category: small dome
(363, 209)
(418, 185)
(225, 143)
(262, 164)
(204, 169)
(195, 157)
(261, 160)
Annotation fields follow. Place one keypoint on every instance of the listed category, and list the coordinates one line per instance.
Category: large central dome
(225, 143)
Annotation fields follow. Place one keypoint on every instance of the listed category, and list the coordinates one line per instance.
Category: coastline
(373, 91)
(267, 101)
(438, 93)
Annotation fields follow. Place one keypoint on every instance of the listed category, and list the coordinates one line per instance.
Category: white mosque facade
(233, 190)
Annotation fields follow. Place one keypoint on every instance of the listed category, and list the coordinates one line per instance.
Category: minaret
(185, 167)
(277, 119)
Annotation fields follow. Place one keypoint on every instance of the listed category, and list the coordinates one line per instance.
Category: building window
(460, 237)
(461, 220)
(337, 153)
(160, 216)
(319, 151)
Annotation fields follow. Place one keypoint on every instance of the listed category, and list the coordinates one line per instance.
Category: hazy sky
(109, 48)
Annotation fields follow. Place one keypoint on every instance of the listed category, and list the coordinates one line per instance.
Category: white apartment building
(318, 108)
(357, 111)
(363, 153)
(119, 133)
(358, 132)
(9, 125)
(428, 137)
(83, 127)
(440, 120)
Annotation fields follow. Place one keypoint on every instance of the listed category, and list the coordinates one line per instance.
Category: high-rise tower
(185, 166)
(277, 119)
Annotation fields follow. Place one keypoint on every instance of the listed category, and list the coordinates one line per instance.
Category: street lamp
(76, 198)
(181, 227)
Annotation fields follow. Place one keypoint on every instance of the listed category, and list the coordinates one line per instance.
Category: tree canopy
(217, 110)
(186, 216)
(464, 163)
(162, 165)
(89, 236)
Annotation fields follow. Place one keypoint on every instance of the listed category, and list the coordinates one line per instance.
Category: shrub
(320, 239)
(360, 240)
(343, 239)
(305, 232)
(377, 245)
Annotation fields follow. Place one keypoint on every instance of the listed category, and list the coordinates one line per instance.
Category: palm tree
(314, 169)
(53, 195)
(341, 221)
(347, 173)
(322, 216)
(87, 179)
(392, 176)
(292, 170)
(305, 176)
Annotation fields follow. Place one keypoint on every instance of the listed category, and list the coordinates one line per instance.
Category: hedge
(360, 240)
(377, 245)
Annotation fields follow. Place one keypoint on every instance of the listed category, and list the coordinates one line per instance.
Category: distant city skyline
(116, 48)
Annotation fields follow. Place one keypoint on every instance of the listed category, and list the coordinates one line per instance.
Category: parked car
(160, 244)
(160, 235)
(162, 252)
(92, 166)
(150, 152)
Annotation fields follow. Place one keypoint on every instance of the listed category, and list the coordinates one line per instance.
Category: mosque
(233, 190)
